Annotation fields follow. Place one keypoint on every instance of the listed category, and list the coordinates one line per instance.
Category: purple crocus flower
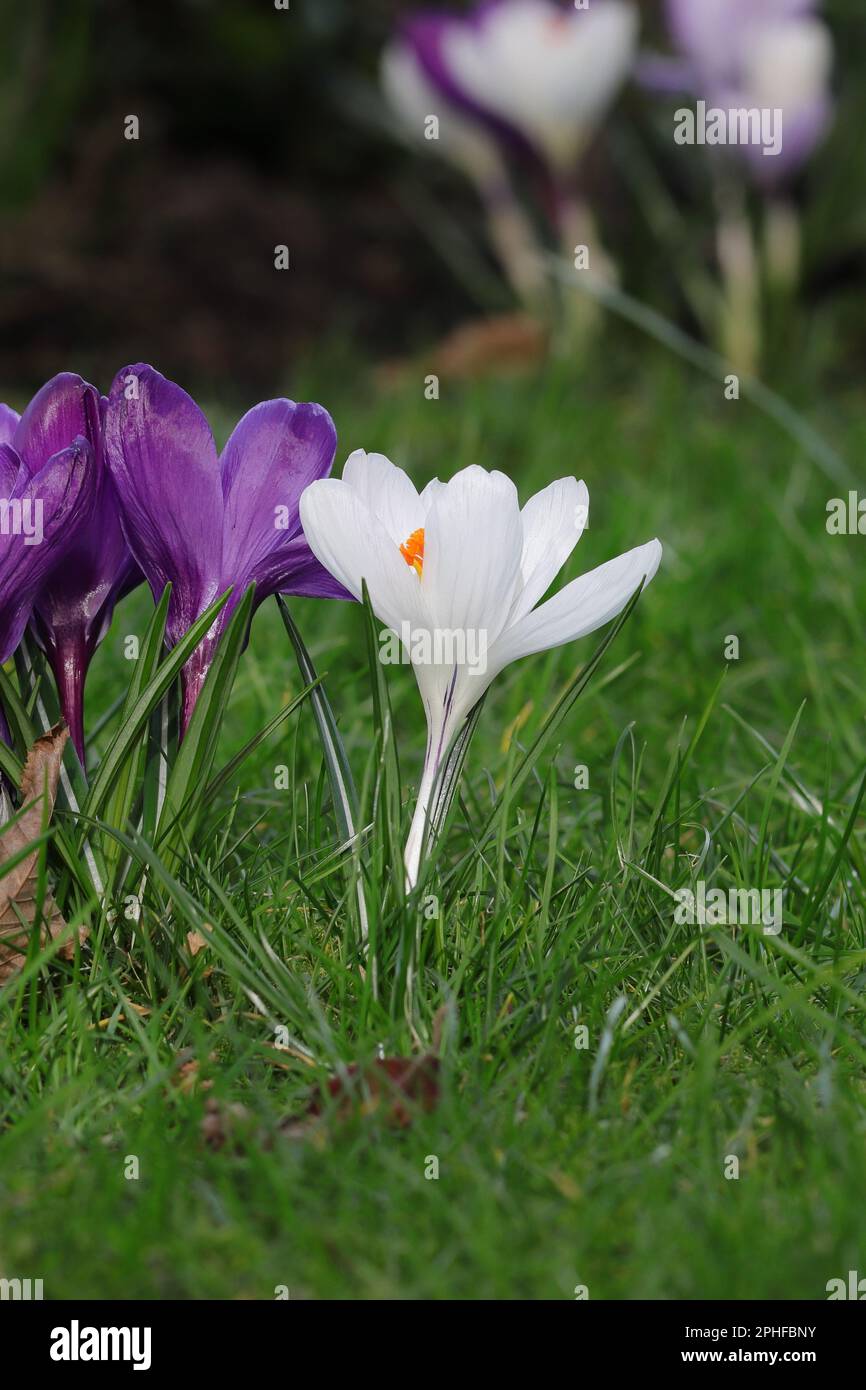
(76, 600)
(203, 521)
(45, 500)
(743, 54)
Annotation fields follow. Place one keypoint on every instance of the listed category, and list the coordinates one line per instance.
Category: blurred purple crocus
(764, 54)
(88, 565)
(203, 521)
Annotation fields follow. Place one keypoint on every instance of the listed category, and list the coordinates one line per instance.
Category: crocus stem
(438, 740)
(782, 243)
(69, 678)
(739, 328)
(581, 244)
(578, 229)
(418, 828)
(516, 246)
(443, 766)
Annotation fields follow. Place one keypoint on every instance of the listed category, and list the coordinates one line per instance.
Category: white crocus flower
(550, 72)
(458, 572)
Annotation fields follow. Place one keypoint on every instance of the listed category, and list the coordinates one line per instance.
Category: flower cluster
(512, 93)
(516, 89)
(131, 487)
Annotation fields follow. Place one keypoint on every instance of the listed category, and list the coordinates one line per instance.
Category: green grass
(558, 1166)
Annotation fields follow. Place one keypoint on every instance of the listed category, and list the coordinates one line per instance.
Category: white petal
(432, 490)
(351, 542)
(553, 522)
(550, 72)
(415, 100)
(388, 492)
(473, 543)
(582, 606)
(789, 64)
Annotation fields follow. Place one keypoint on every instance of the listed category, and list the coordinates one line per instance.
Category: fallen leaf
(19, 888)
(505, 345)
(399, 1086)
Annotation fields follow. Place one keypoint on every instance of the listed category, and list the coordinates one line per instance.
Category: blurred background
(261, 127)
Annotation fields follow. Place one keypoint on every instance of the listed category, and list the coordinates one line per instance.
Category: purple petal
(426, 35)
(63, 493)
(97, 568)
(297, 571)
(713, 32)
(69, 658)
(65, 408)
(194, 673)
(275, 451)
(10, 470)
(163, 460)
(659, 74)
(8, 423)
(802, 130)
(74, 606)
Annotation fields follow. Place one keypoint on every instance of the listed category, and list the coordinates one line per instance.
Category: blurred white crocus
(515, 83)
(433, 117)
(537, 76)
(425, 115)
(457, 572)
(548, 72)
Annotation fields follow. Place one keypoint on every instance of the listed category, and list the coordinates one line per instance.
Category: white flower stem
(418, 828)
(577, 229)
(516, 247)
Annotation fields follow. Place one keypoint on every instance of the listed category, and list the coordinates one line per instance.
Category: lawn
(596, 1161)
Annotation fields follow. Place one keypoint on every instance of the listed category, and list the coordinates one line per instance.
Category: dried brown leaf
(19, 888)
(398, 1086)
(506, 345)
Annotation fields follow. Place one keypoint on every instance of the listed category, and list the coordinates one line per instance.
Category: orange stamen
(412, 550)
